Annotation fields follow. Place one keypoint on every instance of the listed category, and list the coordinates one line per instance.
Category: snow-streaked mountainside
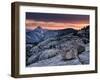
(57, 47)
(39, 34)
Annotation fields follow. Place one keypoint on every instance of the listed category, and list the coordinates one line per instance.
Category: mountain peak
(39, 27)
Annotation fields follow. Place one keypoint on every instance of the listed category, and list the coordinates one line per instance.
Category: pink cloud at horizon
(32, 24)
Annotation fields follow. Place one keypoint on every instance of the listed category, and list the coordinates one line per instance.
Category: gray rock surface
(67, 49)
(55, 61)
(84, 57)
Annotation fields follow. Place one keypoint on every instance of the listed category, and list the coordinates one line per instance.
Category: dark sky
(56, 21)
(57, 17)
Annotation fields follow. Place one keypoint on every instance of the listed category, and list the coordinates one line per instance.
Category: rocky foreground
(65, 49)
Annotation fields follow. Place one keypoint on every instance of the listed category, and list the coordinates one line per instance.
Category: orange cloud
(32, 24)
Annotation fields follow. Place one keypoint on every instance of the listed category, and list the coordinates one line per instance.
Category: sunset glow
(56, 21)
(31, 24)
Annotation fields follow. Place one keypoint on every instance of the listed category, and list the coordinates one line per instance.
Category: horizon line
(57, 29)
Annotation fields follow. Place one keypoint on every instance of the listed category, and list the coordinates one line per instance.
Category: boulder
(69, 54)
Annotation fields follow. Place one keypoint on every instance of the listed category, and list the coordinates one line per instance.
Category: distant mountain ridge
(39, 34)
